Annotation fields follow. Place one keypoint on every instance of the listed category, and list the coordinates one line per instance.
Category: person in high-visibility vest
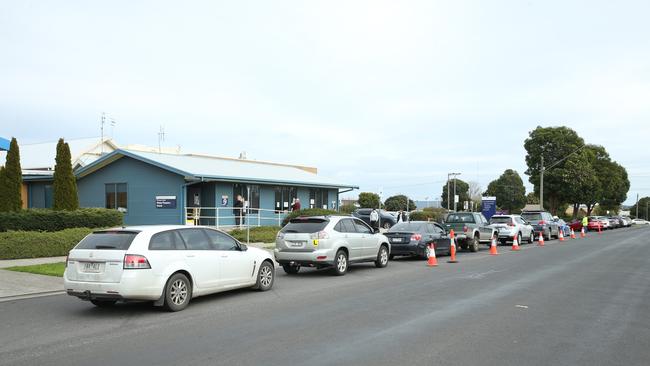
(585, 223)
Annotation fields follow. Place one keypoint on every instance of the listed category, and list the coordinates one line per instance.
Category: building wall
(144, 182)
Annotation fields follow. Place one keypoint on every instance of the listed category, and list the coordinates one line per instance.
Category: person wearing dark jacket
(238, 210)
(296, 205)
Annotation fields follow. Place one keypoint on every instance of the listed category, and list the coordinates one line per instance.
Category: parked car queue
(170, 265)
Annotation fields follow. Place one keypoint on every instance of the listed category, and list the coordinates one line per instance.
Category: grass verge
(49, 269)
(262, 234)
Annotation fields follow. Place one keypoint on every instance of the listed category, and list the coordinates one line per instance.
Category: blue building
(174, 188)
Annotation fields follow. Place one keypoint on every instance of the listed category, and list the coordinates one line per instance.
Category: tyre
(531, 238)
(291, 269)
(103, 303)
(382, 257)
(547, 237)
(340, 263)
(473, 245)
(178, 292)
(265, 277)
(520, 238)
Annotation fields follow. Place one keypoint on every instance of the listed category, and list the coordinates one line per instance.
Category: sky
(387, 95)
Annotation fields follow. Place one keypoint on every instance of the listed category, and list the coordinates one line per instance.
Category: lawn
(49, 269)
(262, 234)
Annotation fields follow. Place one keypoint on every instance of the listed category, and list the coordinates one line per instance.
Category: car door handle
(190, 256)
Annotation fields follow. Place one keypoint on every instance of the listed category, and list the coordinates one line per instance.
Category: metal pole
(455, 193)
(248, 226)
(637, 205)
(448, 175)
(541, 185)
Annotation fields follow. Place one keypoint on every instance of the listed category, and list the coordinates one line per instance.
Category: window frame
(178, 237)
(236, 248)
(187, 246)
(116, 196)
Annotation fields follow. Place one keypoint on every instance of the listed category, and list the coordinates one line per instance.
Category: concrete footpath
(19, 285)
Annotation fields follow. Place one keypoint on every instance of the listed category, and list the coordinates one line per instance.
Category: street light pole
(448, 181)
(541, 185)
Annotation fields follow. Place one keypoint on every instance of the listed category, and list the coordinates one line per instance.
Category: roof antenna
(242, 155)
(102, 128)
(161, 138)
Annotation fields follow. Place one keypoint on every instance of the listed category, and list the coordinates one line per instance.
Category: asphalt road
(583, 302)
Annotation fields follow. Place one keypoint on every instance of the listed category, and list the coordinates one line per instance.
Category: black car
(542, 222)
(412, 239)
(386, 220)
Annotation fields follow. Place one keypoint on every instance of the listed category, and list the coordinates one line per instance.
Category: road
(582, 302)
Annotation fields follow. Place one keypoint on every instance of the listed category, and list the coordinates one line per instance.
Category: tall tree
(509, 190)
(532, 198)
(462, 190)
(644, 209)
(4, 200)
(582, 182)
(552, 144)
(398, 203)
(13, 179)
(369, 200)
(65, 185)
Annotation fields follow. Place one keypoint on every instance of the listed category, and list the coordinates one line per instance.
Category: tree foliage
(532, 198)
(369, 200)
(644, 208)
(12, 180)
(462, 190)
(64, 187)
(509, 190)
(398, 203)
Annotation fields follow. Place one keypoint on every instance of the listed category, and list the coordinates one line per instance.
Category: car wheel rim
(178, 292)
(384, 256)
(342, 263)
(266, 276)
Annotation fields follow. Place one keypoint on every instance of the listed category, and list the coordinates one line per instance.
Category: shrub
(347, 209)
(49, 220)
(420, 216)
(262, 234)
(308, 212)
(35, 244)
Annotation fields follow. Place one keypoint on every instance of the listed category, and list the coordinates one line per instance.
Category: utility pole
(637, 206)
(448, 175)
(541, 184)
(455, 203)
(448, 198)
(102, 128)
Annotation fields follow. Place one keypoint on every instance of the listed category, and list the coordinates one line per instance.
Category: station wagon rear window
(532, 216)
(108, 240)
(500, 220)
(306, 225)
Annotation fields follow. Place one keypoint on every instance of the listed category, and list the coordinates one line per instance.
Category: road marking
(31, 296)
(521, 306)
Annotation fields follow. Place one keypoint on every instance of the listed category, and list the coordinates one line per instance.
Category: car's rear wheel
(340, 263)
(547, 236)
(473, 245)
(531, 238)
(265, 277)
(291, 269)
(178, 292)
(103, 303)
(382, 257)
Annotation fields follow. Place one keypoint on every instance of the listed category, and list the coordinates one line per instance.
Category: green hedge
(35, 244)
(50, 220)
(308, 212)
(262, 234)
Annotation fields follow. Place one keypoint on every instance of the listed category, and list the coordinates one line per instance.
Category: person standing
(585, 223)
(374, 219)
(238, 210)
(399, 216)
(296, 204)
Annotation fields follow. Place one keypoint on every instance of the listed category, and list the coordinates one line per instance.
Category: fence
(225, 217)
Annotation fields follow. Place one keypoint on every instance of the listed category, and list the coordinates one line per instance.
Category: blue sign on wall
(489, 207)
(165, 201)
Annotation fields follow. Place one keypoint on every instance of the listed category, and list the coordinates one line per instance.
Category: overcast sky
(387, 95)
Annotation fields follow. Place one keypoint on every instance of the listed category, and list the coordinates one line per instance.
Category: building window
(253, 200)
(284, 197)
(47, 190)
(318, 198)
(116, 196)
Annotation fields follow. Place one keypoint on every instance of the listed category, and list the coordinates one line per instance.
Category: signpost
(166, 202)
(489, 208)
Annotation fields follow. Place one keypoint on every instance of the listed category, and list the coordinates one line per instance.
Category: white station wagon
(169, 265)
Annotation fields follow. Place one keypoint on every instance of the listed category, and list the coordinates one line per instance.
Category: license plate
(397, 240)
(297, 244)
(92, 267)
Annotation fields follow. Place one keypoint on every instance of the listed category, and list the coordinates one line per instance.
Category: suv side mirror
(243, 247)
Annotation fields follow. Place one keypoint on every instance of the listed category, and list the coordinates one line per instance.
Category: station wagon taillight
(134, 261)
(320, 235)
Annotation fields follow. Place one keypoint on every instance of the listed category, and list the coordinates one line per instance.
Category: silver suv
(329, 241)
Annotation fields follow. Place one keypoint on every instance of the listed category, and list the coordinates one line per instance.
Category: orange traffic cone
(493, 247)
(573, 234)
(452, 248)
(541, 239)
(515, 243)
(582, 233)
(561, 235)
(431, 255)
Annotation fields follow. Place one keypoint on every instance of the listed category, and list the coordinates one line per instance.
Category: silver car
(509, 225)
(329, 241)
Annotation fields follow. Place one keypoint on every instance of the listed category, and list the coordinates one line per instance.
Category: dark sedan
(412, 239)
(386, 220)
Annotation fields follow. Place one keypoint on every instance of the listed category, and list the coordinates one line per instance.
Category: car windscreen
(460, 217)
(305, 226)
(109, 240)
(408, 227)
(500, 220)
(533, 216)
